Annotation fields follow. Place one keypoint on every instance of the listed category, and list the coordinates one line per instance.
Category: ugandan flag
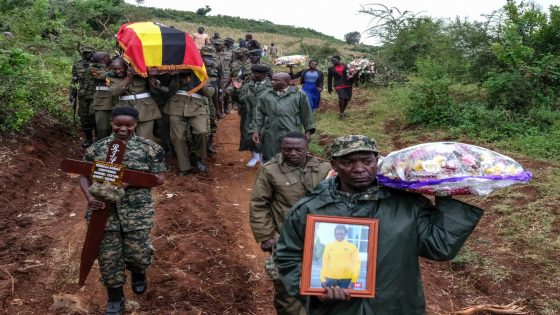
(148, 45)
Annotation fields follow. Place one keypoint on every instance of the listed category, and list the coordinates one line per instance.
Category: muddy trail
(206, 260)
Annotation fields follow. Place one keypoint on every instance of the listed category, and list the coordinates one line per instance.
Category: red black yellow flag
(148, 45)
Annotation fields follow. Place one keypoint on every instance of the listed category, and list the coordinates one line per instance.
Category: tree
(203, 11)
(387, 22)
(352, 38)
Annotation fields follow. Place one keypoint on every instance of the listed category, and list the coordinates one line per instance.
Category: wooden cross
(109, 171)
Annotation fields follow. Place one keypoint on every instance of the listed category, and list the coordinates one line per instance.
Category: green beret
(353, 143)
(260, 68)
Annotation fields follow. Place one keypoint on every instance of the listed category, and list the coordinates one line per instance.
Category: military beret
(353, 143)
(218, 41)
(229, 39)
(260, 68)
(255, 51)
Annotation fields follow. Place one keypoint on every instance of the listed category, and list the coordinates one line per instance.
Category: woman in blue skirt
(312, 83)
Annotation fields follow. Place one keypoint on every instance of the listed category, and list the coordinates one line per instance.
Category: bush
(26, 88)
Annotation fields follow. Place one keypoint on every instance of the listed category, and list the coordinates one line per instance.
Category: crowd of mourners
(158, 118)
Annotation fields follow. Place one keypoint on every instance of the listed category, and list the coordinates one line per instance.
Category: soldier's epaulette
(274, 160)
(317, 157)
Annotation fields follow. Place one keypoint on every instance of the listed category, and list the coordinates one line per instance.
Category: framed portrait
(339, 251)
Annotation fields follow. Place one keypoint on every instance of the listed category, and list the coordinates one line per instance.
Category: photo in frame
(339, 251)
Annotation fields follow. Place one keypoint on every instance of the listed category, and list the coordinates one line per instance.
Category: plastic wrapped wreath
(357, 66)
(449, 168)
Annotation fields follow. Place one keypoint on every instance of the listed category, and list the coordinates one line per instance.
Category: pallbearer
(125, 242)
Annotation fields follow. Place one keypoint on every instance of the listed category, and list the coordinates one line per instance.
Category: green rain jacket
(276, 115)
(248, 95)
(409, 226)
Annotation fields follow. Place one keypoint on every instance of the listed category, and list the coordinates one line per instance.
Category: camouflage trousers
(284, 303)
(124, 250)
(87, 119)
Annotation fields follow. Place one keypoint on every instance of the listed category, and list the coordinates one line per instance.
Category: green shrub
(26, 88)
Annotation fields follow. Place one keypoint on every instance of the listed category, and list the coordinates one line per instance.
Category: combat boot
(139, 283)
(210, 147)
(89, 138)
(115, 302)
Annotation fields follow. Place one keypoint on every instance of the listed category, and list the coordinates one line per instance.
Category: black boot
(210, 147)
(115, 302)
(89, 138)
(139, 283)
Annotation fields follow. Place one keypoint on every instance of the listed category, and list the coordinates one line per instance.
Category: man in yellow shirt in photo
(341, 261)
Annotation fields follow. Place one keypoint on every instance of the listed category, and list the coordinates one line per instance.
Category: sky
(334, 18)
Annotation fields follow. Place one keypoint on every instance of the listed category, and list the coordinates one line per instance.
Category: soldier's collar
(374, 192)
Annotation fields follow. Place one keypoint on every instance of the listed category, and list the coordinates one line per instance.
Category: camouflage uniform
(102, 103)
(225, 58)
(136, 94)
(238, 69)
(278, 186)
(188, 115)
(213, 68)
(126, 240)
(84, 89)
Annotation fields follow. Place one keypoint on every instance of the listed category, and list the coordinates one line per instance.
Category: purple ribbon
(403, 184)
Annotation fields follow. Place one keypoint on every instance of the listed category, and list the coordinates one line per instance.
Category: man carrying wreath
(410, 225)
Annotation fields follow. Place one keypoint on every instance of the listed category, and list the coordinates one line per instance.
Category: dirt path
(206, 261)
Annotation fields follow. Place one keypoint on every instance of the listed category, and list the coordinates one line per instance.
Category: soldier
(126, 240)
(189, 114)
(134, 91)
(225, 57)
(102, 103)
(410, 227)
(229, 43)
(255, 58)
(240, 69)
(249, 94)
(281, 110)
(162, 124)
(81, 93)
(214, 70)
(280, 183)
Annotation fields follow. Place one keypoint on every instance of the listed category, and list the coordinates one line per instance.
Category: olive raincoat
(248, 96)
(277, 115)
(409, 226)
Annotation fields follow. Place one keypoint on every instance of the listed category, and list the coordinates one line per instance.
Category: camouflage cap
(353, 143)
(207, 50)
(218, 41)
(87, 49)
(242, 51)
